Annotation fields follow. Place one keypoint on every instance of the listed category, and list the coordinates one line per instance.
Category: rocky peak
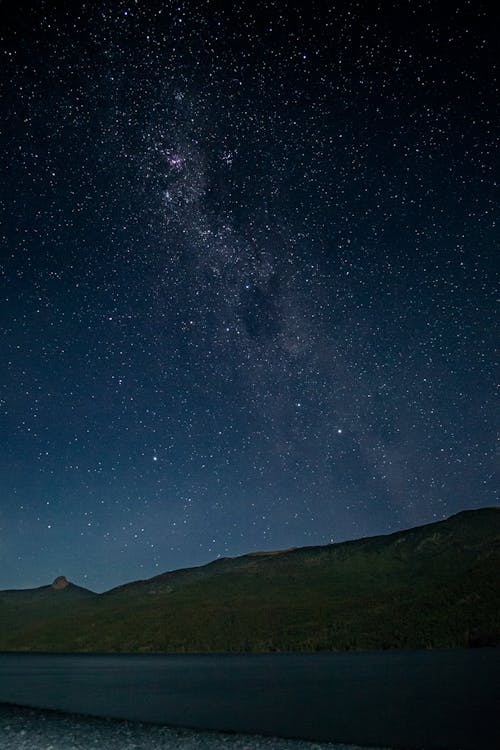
(60, 583)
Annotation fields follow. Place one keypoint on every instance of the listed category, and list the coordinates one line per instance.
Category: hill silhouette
(432, 586)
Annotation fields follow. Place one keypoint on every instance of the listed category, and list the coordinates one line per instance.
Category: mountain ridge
(269, 553)
(262, 554)
(434, 585)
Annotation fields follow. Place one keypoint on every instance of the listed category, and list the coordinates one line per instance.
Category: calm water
(420, 699)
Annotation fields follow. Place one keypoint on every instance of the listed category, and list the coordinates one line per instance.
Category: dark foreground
(33, 729)
(431, 700)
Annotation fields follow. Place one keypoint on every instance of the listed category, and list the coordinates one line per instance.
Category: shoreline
(23, 727)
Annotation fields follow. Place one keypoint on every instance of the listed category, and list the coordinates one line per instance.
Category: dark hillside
(431, 586)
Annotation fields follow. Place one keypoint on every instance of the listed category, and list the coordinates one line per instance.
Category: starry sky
(247, 273)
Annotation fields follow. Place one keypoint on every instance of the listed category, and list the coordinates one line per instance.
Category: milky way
(247, 279)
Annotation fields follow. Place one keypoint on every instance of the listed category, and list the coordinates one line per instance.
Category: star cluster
(248, 258)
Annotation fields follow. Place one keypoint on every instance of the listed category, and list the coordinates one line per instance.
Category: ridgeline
(434, 586)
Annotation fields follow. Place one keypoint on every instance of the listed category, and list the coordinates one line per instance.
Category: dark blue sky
(248, 264)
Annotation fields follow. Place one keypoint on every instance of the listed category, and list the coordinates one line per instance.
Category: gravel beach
(33, 729)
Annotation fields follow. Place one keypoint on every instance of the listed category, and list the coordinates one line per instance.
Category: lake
(418, 699)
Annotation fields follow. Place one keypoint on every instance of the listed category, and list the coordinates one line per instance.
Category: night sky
(247, 273)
